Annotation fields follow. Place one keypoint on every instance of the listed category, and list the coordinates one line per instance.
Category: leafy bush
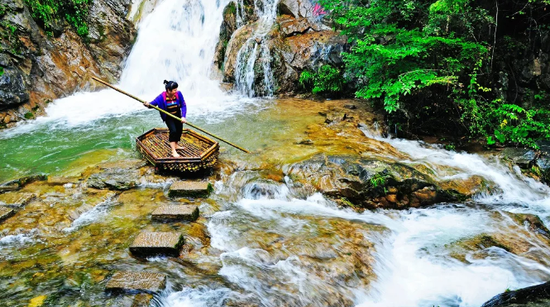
(434, 59)
(49, 13)
(327, 80)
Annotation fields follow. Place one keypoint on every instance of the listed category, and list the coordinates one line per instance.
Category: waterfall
(176, 41)
(254, 56)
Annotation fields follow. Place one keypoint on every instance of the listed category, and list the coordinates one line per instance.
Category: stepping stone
(149, 243)
(5, 213)
(136, 281)
(15, 199)
(176, 212)
(190, 188)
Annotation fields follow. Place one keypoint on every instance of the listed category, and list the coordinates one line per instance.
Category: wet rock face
(369, 184)
(535, 296)
(38, 67)
(12, 89)
(299, 40)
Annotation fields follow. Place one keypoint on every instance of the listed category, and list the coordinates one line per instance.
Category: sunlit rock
(6, 213)
(157, 243)
(139, 281)
(525, 236)
(176, 212)
(16, 199)
(190, 189)
(237, 40)
(142, 300)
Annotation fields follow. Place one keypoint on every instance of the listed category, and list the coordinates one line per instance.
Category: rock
(369, 183)
(16, 199)
(294, 26)
(190, 189)
(13, 90)
(21, 182)
(6, 213)
(7, 188)
(227, 28)
(534, 296)
(142, 300)
(176, 212)
(40, 65)
(114, 179)
(235, 44)
(157, 243)
(58, 180)
(137, 281)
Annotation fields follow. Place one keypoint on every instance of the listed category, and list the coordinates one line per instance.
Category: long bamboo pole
(173, 116)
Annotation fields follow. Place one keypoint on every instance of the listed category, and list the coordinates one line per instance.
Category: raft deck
(199, 151)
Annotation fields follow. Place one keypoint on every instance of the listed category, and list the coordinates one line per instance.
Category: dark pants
(175, 126)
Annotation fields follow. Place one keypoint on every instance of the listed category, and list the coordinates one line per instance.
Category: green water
(55, 149)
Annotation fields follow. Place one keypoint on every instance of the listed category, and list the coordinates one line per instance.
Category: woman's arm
(183, 105)
(156, 102)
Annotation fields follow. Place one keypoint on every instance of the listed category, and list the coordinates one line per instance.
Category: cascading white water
(175, 42)
(509, 187)
(250, 59)
(412, 265)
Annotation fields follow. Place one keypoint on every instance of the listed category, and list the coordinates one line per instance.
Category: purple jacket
(160, 101)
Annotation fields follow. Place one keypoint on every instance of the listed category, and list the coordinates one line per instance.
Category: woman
(172, 102)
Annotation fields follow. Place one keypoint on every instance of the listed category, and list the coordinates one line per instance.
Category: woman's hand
(147, 104)
(183, 120)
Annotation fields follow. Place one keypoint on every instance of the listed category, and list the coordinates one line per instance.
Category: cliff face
(299, 39)
(37, 66)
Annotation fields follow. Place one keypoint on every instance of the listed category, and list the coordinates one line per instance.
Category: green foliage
(520, 126)
(378, 179)
(50, 13)
(391, 61)
(1, 71)
(29, 115)
(327, 80)
(405, 52)
(8, 33)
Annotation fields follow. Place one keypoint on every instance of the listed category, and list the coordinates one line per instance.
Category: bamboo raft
(199, 151)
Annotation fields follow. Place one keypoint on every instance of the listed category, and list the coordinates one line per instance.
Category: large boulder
(12, 88)
(534, 296)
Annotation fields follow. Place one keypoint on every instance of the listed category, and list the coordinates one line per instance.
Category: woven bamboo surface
(199, 151)
(159, 146)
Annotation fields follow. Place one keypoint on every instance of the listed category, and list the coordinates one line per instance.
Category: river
(284, 246)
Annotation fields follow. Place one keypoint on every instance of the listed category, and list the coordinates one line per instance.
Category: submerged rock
(136, 281)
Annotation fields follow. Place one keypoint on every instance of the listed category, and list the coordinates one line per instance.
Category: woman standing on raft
(172, 102)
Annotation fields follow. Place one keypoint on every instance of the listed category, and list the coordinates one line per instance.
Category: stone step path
(151, 243)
